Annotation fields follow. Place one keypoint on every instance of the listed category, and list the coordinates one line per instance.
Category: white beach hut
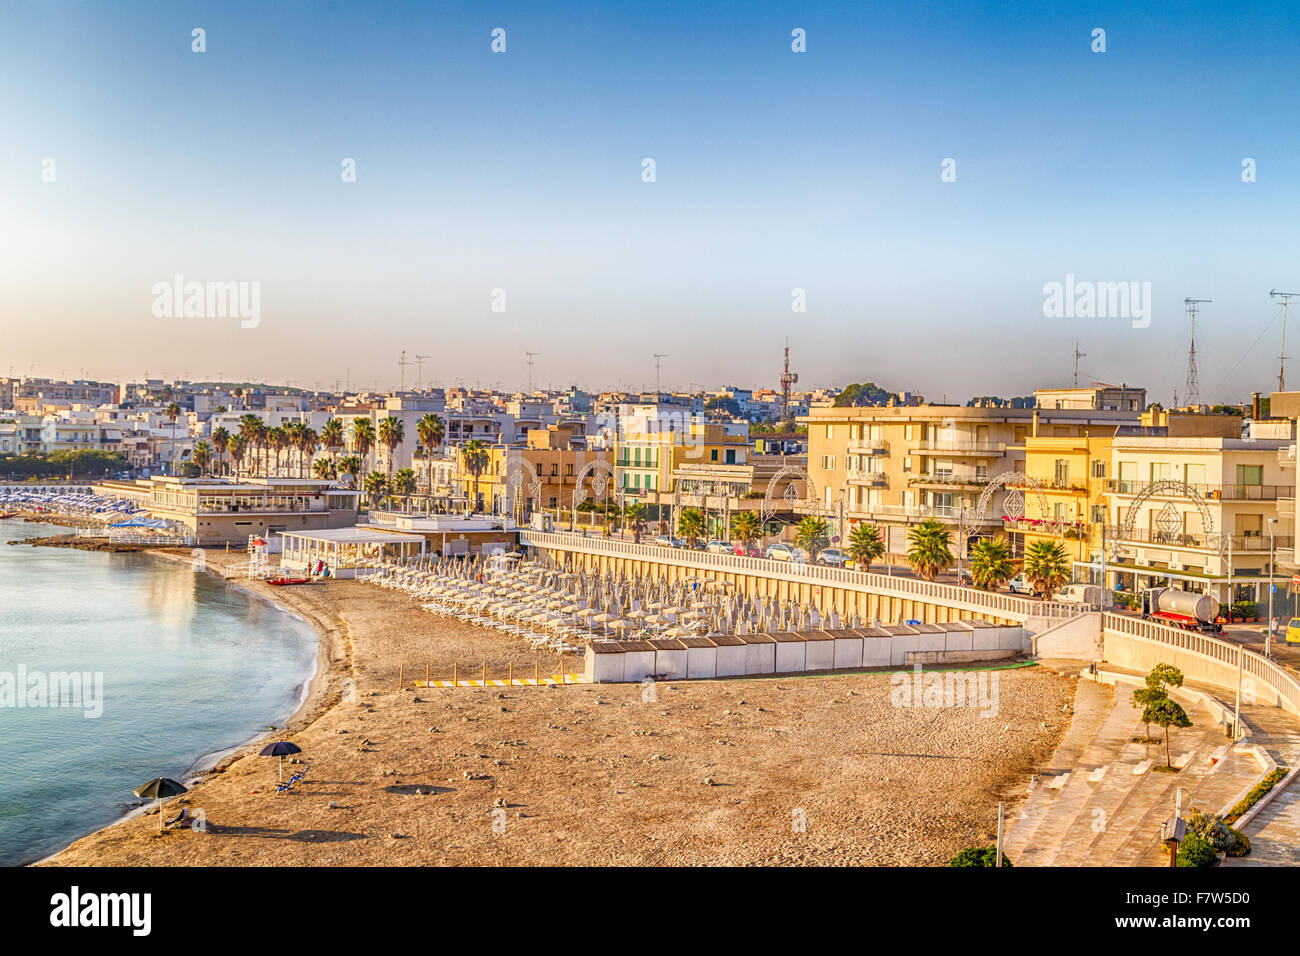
(670, 658)
(790, 657)
(877, 644)
(701, 657)
(638, 660)
(848, 648)
(604, 662)
(731, 654)
(760, 654)
(821, 650)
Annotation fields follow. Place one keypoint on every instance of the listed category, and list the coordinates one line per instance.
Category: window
(555, 469)
(907, 433)
(1250, 526)
(1159, 471)
(982, 472)
(1194, 475)
(568, 470)
(830, 431)
(1098, 514)
(1250, 474)
(1098, 468)
(713, 454)
(1128, 471)
(731, 456)
(942, 470)
(828, 462)
(1062, 473)
(907, 463)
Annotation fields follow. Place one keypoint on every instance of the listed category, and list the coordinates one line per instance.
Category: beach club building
(217, 511)
(345, 551)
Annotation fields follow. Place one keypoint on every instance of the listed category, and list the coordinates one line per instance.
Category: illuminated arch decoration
(601, 474)
(1169, 521)
(790, 474)
(1015, 485)
(516, 482)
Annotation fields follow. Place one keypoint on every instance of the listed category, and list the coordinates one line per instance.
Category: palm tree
(929, 549)
(350, 465)
(431, 430)
(690, 525)
(747, 528)
(237, 445)
(202, 456)
(331, 436)
(376, 484)
(392, 432)
(326, 469)
(278, 441)
(811, 535)
(363, 439)
(173, 413)
(402, 482)
(307, 440)
(865, 545)
(221, 442)
(1047, 566)
(474, 453)
(634, 514)
(990, 563)
(249, 426)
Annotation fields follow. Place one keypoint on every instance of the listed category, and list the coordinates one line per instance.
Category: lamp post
(1268, 632)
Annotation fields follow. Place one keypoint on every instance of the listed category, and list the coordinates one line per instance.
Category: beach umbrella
(160, 788)
(281, 749)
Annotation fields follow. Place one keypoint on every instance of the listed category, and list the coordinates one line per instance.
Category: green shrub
(1225, 839)
(1256, 794)
(1245, 609)
(978, 856)
(1196, 851)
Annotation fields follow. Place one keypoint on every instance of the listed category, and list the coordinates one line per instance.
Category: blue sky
(775, 170)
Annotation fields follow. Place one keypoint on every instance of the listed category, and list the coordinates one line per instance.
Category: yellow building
(1072, 473)
(554, 457)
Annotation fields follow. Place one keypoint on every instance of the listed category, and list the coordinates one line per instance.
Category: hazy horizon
(522, 171)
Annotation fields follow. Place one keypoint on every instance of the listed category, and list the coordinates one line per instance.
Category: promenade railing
(931, 592)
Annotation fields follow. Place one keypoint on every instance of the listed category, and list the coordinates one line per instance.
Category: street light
(1268, 633)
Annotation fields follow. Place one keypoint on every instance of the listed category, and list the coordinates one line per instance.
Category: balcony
(981, 449)
(1286, 507)
(1286, 456)
(1118, 486)
(868, 446)
(1250, 543)
(945, 479)
(869, 479)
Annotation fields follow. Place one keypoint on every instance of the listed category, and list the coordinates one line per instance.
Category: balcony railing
(948, 480)
(1119, 486)
(1253, 543)
(1286, 507)
(872, 479)
(1286, 456)
(962, 447)
(868, 446)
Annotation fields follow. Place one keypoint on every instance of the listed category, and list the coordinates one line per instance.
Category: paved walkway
(1101, 802)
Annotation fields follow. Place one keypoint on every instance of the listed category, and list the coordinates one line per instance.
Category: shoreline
(309, 697)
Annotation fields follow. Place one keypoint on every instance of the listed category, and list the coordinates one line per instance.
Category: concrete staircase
(1091, 809)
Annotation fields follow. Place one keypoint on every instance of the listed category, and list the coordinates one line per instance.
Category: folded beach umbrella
(281, 749)
(160, 788)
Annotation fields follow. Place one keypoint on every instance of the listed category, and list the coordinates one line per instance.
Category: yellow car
(1293, 631)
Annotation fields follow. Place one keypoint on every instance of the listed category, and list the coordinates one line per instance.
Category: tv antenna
(1282, 356)
(402, 363)
(1192, 390)
(658, 357)
(419, 370)
(1077, 355)
(531, 356)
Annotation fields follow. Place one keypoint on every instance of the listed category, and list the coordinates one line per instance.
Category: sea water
(189, 667)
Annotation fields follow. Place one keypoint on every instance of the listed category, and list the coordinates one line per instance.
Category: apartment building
(1198, 512)
(556, 454)
(657, 442)
(895, 466)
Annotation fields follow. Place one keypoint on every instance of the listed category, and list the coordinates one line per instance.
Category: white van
(1083, 594)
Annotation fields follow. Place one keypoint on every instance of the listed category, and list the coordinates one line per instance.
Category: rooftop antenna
(531, 356)
(401, 364)
(419, 370)
(1282, 357)
(658, 357)
(1192, 390)
(788, 379)
(1077, 355)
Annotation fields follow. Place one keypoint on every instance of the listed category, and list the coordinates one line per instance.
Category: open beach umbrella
(160, 788)
(281, 749)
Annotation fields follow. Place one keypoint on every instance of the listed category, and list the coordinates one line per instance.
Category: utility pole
(531, 356)
(1193, 388)
(1077, 355)
(1282, 357)
(658, 357)
(419, 370)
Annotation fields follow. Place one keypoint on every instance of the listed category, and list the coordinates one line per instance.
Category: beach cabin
(960, 636)
(701, 657)
(905, 640)
(821, 650)
(930, 637)
(730, 655)
(848, 648)
(670, 658)
(638, 660)
(789, 652)
(877, 646)
(760, 654)
(604, 662)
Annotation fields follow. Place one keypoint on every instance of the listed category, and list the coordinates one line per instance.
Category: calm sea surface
(190, 667)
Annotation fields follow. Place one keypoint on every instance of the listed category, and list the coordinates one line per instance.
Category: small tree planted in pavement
(978, 856)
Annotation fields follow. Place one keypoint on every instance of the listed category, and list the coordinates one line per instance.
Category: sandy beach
(801, 770)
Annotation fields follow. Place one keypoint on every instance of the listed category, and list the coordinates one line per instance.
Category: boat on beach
(285, 582)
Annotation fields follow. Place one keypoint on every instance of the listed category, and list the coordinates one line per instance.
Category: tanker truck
(1191, 612)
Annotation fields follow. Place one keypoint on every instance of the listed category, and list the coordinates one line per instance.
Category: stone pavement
(1100, 803)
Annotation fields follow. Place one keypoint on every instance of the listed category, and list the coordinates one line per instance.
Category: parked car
(832, 557)
(667, 541)
(1020, 585)
(718, 547)
(1083, 594)
(748, 552)
(779, 552)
